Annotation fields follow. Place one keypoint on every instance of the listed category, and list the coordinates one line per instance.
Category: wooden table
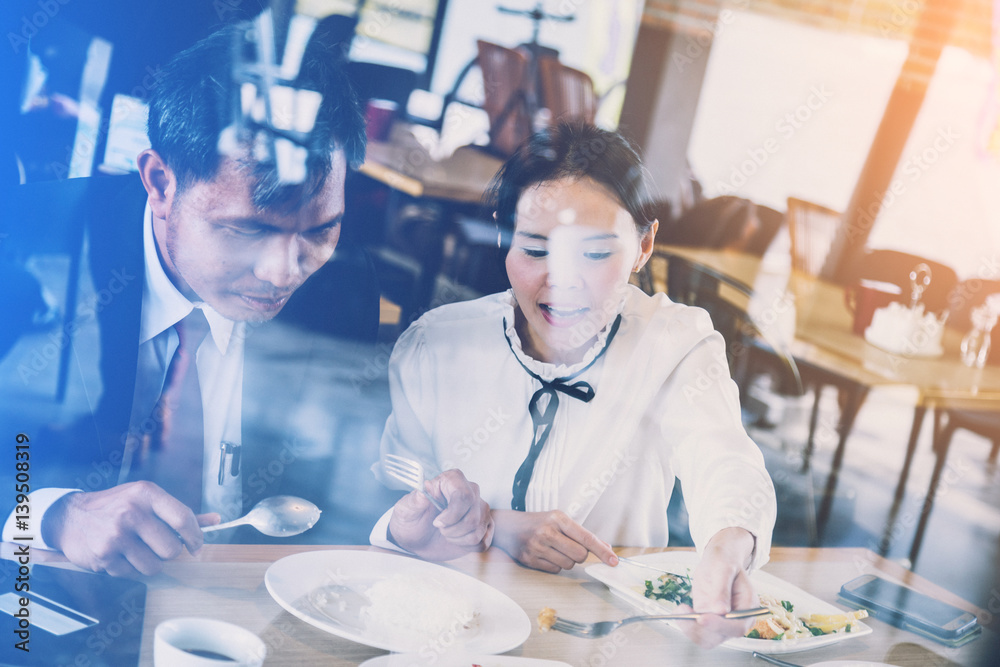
(405, 165)
(823, 340)
(823, 336)
(226, 582)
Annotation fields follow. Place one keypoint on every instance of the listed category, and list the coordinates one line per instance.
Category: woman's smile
(562, 315)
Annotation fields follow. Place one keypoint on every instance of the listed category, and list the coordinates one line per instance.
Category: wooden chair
(894, 266)
(890, 266)
(506, 95)
(725, 300)
(723, 222)
(969, 294)
(812, 229)
(946, 423)
(567, 93)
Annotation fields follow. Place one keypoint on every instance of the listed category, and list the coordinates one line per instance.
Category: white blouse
(665, 407)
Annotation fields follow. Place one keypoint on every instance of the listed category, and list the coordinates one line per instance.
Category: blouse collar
(545, 370)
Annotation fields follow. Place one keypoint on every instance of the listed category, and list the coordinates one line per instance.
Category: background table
(824, 342)
(443, 186)
(405, 165)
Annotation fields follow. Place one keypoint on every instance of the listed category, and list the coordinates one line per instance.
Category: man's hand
(720, 584)
(548, 541)
(126, 530)
(465, 525)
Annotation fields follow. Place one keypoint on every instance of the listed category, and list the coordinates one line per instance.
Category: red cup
(379, 115)
(867, 296)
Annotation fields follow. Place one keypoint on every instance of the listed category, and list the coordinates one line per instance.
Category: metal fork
(774, 661)
(410, 473)
(603, 628)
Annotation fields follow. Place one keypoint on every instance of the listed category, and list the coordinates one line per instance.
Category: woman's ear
(159, 180)
(646, 246)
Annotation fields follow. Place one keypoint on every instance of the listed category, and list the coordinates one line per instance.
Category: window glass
(948, 208)
(791, 110)
(396, 32)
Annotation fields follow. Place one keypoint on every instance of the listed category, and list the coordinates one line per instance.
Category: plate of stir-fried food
(798, 621)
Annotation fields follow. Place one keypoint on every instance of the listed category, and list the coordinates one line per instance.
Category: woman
(574, 399)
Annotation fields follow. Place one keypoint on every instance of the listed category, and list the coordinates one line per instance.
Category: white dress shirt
(219, 362)
(665, 407)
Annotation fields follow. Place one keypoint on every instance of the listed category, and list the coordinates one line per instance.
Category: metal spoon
(277, 516)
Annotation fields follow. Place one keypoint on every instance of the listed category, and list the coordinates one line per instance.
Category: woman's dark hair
(573, 150)
(194, 96)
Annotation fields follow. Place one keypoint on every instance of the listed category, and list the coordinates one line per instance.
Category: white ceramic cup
(192, 642)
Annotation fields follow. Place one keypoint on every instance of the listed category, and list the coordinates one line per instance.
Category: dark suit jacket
(341, 299)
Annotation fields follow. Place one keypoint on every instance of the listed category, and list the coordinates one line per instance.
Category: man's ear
(646, 246)
(159, 180)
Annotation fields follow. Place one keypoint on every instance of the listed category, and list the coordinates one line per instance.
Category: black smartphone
(906, 608)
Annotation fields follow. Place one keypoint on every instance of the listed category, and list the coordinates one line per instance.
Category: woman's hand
(548, 541)
(720, 584)
(464, 526)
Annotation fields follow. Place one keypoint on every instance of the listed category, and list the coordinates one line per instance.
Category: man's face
(218, 247)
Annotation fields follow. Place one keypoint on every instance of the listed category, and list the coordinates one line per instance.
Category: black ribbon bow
(542, 418)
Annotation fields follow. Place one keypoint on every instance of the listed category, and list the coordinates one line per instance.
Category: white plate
(627, 581)
(294, 581)
(850, 663)
(459, 660)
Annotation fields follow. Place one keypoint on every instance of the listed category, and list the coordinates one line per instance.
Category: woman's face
(573, 250)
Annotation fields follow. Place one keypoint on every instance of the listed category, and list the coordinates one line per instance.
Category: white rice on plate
(419, 609)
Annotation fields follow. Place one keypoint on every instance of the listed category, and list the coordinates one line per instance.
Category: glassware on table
(976, 343)
(920, 280)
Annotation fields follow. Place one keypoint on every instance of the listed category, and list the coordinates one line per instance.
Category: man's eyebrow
(244, 222)
(332, 222)
(601, 237)
(256, 223)
(530, 235)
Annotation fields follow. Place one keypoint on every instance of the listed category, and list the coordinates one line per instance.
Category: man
(218, 242)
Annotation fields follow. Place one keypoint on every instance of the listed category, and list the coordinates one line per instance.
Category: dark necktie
(178, 445)
(542, 418)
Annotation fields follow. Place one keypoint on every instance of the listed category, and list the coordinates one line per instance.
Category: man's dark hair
(574, 150)
(196, 94)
